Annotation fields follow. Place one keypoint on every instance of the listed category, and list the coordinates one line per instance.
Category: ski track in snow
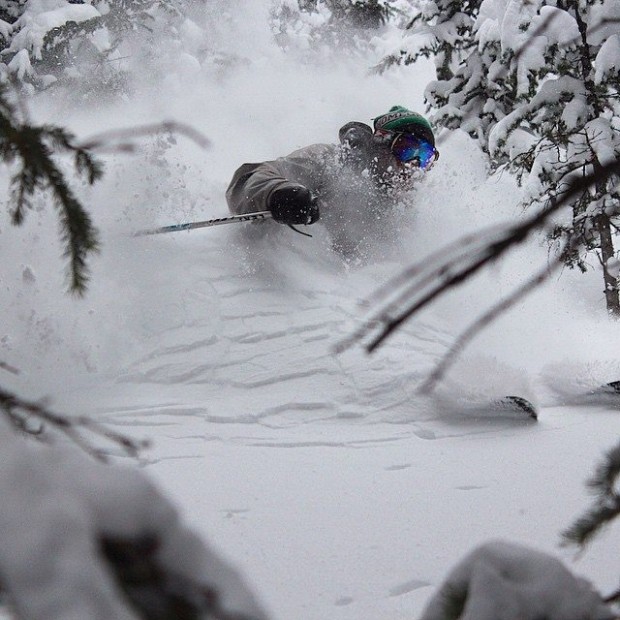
(252, 361)
(330, 470)
(244, 362)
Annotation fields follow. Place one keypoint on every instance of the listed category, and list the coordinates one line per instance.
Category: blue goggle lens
(407, 147)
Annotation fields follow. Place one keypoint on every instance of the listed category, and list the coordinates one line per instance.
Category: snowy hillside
(336, 488)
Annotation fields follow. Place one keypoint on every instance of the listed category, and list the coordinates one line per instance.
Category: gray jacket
(355, 183)
(313, 166)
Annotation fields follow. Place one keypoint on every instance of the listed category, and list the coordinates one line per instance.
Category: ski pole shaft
(231, 219)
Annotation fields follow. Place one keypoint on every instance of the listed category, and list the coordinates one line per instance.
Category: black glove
(293, 204)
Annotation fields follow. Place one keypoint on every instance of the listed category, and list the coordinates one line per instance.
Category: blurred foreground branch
(35, 419)
(485, 319)
(34, 150)
(606, 505)
(120, 140)
(418, 286)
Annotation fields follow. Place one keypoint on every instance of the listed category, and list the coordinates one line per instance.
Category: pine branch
(22, 188)
(39, 171)
(606, 506)
(34, 148)
(85, 163)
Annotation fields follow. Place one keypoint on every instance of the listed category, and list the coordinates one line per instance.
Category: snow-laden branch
(501, 580)
(418, 286)
(81, 539)
(116, 140)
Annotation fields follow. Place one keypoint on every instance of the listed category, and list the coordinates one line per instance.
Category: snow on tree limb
(86, 540)
(400, 299)
(512, 582)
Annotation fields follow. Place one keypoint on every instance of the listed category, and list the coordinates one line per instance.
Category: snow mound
(88, 530)
(504, 581)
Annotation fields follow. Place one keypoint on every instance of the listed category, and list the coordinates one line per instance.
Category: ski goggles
(408, 148)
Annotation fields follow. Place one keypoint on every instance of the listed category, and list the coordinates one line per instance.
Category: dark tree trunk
(612, 297)
(603, 223)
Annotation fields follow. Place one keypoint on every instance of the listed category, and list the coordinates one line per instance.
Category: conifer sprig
(606, 506)
(33, 149)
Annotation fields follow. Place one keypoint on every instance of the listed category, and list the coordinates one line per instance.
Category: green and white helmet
(401, 119)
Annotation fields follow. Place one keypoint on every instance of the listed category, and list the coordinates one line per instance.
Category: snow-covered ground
(334, 486)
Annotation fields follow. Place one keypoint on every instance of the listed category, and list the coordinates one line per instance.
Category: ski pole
(231, 219)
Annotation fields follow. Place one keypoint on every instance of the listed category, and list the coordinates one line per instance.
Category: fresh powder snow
(332, 485)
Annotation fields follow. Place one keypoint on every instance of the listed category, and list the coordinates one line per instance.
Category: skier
(355, 180)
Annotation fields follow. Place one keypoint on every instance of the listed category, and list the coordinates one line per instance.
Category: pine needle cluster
(33, 150)
(606, 505)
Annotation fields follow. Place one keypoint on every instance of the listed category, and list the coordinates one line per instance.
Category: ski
(613, 387)
(507, 408)
(604, 395)
(518, 405)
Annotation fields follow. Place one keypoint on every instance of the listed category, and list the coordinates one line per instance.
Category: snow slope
(328, 479)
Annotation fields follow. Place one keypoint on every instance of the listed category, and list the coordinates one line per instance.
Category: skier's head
(408, 135)
(402, 120)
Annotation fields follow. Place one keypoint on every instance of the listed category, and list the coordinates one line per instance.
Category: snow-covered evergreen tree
(82, 43)
(441, 30)
(536, 83)
(10, 10)
(342, 24)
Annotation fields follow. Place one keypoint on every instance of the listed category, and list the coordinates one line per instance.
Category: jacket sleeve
(252, 184)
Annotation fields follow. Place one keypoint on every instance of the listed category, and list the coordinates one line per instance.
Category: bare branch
(120, 139)
(421, 274)
(424, 282)
(9, 368)
(21, 412)
(483, 321)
